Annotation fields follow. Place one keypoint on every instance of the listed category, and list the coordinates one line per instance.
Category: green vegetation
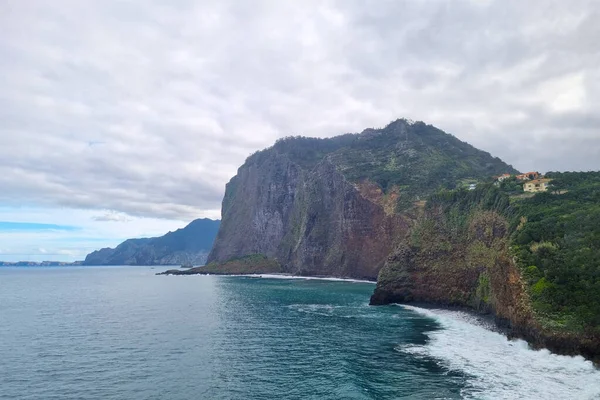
(555, 238)
(459, 203)
(512, 186)
(456, 251)
(483, 288)
(307, 152)
(418, 159)
(250, 264)
(557, 243)
(413, 158)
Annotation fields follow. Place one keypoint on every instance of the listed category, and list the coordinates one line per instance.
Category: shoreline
(488, 321)
(268, 275)
(535, 340)
(493, 323)
(307, 277)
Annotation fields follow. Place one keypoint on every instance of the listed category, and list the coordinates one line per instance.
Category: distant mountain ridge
(188, 245)
(38, 263)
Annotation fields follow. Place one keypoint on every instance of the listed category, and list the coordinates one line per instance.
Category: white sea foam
(500, 368)
(326, 310)
(282, 276)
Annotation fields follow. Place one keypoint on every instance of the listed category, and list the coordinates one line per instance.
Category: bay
(124, 333)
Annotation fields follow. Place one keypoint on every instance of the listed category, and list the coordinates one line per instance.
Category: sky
(126, 118)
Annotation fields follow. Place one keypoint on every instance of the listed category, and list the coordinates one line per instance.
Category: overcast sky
(127, 118)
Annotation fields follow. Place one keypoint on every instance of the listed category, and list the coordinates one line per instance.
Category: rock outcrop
(252, 264)
(452, 263)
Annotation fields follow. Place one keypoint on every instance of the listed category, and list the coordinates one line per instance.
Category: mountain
(337, 206)
(187, 245)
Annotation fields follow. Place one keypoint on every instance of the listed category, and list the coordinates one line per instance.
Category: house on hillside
(536, 185)
(503, 177)
(528, 176)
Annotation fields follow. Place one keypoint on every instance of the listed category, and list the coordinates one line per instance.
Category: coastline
(306, 277)
(535, 340)
(488, 321)
(463, 343)
(269, 275)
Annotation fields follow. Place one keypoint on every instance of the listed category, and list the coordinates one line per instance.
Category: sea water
(124, 333)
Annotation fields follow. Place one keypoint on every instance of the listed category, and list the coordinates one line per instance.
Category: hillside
(532, 262)
(336, 206)
(186, 245)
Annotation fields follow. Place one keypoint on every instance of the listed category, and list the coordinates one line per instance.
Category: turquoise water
(124, 333)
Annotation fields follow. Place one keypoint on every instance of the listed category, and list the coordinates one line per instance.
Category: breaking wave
(500, 368)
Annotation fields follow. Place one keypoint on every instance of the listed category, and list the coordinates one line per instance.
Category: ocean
(124, 333)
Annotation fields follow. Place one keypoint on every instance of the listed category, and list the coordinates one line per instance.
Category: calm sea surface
(124, 333)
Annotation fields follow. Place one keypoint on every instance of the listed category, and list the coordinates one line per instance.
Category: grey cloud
(148, 108)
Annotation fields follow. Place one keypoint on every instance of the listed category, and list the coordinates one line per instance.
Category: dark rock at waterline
(252, 264)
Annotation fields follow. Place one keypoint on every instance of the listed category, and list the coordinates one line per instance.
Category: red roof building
(528, 176)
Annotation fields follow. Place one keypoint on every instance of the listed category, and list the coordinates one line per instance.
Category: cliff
(337, 206)
(463, 251)
(457, 254)
(190, 244)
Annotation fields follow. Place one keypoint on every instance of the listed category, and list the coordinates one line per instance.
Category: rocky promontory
(251, 264)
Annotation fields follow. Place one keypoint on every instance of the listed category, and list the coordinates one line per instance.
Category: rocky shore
(252, 264)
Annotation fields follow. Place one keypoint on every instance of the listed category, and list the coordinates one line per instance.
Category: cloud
(112, 216)
(148, 108)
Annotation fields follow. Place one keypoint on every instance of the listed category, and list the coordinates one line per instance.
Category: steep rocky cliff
(189, 245)
(337, 206)
(459, 253)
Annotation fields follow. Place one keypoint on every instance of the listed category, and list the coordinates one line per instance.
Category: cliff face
(443, 263)
(314, 222)
(337, 206)
(459, 254)
(187, 245)
(257, 207)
